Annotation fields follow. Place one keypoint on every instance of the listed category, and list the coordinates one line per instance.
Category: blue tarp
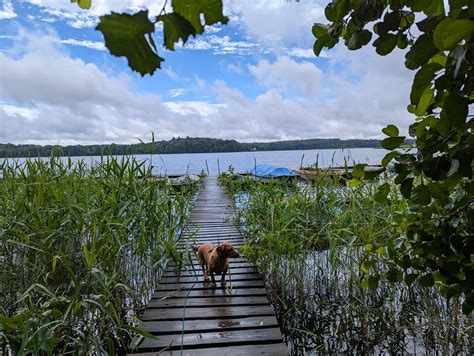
(269, 171)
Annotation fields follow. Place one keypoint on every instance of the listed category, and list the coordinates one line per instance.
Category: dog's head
(225, 250)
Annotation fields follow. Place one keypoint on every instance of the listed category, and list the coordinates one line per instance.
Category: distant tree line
(181, 145)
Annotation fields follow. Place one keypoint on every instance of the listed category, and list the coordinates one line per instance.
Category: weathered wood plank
(243, 350)
(203, 313)
(217, 292)
(223, 338)
(208, 301)
(193, 326)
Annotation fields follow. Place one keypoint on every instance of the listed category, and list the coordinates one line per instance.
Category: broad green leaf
(426, 99)
(382, 193)
(358, 171)
(456, 109)
(83, 4)
(318, 46)
(410, 278)
(385, 44)
(421, 195)
(320, 30)
(427, 280)
(405, 187)
(390, 130)
(192, 11)
(435, 8)
(130, 36)
(392, 143)
(388, 158)
(175, 27)
(428, 24)
(450, 32)
(359, 39)
(423, 79)
(421, 51)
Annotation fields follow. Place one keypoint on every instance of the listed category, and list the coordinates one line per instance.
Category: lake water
(194, 163)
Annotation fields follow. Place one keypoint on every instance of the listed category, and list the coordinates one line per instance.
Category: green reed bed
(312, 243)
(81, 249)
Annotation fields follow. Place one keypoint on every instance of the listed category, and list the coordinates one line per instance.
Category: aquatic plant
(315, 243)
(81, 248)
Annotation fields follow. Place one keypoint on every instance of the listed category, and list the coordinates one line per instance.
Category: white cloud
(99, 46)
(285, 73)
(301, 53)
(6, 10)
(234, 68)
(221, 45)
(174, 93)
(26, 113)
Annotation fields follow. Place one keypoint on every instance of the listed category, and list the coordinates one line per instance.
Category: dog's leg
(223, 283)
(206, 277)
(213, 283)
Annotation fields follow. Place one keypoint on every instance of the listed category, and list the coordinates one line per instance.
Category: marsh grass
(81, 249)
(311, 241)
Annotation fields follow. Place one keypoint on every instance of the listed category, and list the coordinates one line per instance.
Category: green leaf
(423, 79)
(427, 280)
(450, 32)
(320, 30)
(385, 44)
(428, 24)
(421, 51)
(126, 36)
(373, 282)
(388, 158)
(426, 99)
(390, 130)
(410, 278)
(382, 193)
(192, 10)
(359, 39)
(83, 4)
(318, 46)
(392, 143)
(358, 171)
(435, 8)
(421, 195)
(456, 109)
(405, 187)
(175, 27)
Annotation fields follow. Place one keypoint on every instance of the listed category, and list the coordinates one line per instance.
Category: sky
(254, 79)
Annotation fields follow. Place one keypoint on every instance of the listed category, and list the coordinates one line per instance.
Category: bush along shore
(315, 243)
(81, 249)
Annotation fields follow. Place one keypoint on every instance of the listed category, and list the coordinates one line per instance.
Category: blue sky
(253, 79)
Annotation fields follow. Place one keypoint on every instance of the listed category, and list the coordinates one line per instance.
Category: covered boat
(269, 171)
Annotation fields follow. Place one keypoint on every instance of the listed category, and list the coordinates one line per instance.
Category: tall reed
(310, 241)
(81, 249)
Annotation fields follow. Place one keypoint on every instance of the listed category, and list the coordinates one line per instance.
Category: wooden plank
(208, 301)
(222, 338)
(279, 349)
(200, 278)
(216, 292)
(198, 285)
(198, 272)
(204, 313)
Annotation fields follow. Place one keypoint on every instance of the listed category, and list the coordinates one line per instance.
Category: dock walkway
(192, 318)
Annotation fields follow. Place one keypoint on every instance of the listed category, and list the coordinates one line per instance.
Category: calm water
(194, 163)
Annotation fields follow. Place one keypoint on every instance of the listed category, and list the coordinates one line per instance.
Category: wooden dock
(192, 318)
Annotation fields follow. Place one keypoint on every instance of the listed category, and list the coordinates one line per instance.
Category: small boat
(179, 181)
(267, 171)
(342, 173)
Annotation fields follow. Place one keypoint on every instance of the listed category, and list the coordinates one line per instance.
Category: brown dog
(215, 260)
